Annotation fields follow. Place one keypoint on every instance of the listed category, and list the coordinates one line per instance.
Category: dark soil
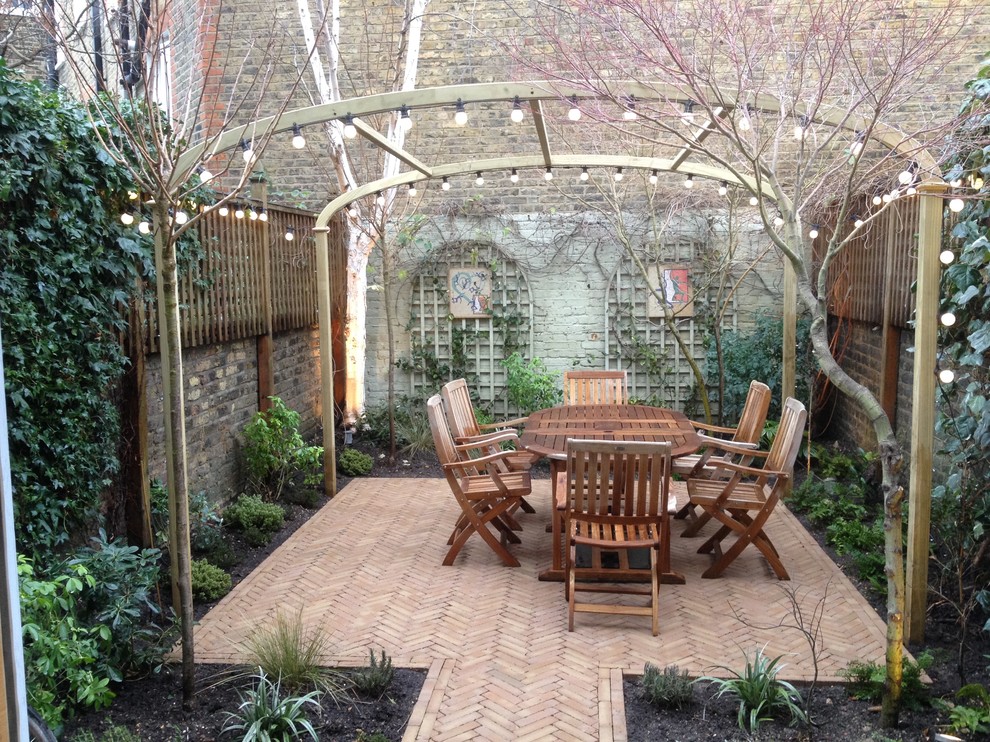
(151, 707)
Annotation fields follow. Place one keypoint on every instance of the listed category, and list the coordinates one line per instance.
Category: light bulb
(144, 228)
(877, 200)
(977, 182)
(350, 130)
(857, 223)
(290, 234)
(239, 212)
(252, 215)
(911, 190)
(405, 120)
(946, 375)
(445, 185)
(753, 200)
(480, 180)
(584, 174)
(514, 176)
(778, 222)
(262, 215)
(618, 174)
(380, 198)
(799, 132)
(886, 198)
(723, 189)
(946, 257)
(247, 152)
(132, 195)
(956, 205)
(223, 210)
(127, 218)
(957, 183)
(813, 232)
(744, 124)
(548, 175)
(181, 217)
(205, 176)
(412, 189)
(654, 178)
(948, 319)
(517, 111)
(629, 114)
(905, 177)
(460, 115)
(856, 149)
(574, 113)
(298, 140)
(689, 181)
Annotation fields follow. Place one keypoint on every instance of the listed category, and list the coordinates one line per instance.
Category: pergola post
(789, 334)
(324, 292)
(923, 409)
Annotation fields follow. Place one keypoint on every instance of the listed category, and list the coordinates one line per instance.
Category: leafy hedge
(67, 263)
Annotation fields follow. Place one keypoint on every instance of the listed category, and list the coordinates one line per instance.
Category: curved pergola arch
(720, 104)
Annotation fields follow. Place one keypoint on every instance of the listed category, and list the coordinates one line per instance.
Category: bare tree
(742, 84)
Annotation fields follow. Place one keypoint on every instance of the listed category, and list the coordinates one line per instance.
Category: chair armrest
(721, 442)
(486, 439)
(741, 449)
(748, 470)
(713, 428)
(479, 461)
(561, 489)
(504, 424)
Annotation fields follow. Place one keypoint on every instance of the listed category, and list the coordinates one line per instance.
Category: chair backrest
(442, 439)
(595, 387)
(621, 478)
(787, 442)
(754, 413)
(460, 411)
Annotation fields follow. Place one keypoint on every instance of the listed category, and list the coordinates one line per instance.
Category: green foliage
(761, 695)
(259, 520)
(274, 451)
(265, 716)
(363, 736)
(529, 385)
(866, 681)
(374, 679)
(113, 734)
(209, 582)
(757, 355)
(973, 717)
(669, 688)
(68, 263)
(412, 426)
(353, 463)
(284, 649)
(207, 537)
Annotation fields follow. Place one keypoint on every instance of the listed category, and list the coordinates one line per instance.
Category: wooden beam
(923, 410)
(541, 130)
(891, 339)
(325, 304)
(400, 154)
(700, 135)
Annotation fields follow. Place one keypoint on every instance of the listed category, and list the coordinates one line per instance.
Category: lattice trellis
(479, 344)
(643, 345)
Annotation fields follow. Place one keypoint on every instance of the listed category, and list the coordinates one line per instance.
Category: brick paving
(501, 663)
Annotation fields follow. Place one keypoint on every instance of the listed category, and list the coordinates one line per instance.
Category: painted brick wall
(221, 385)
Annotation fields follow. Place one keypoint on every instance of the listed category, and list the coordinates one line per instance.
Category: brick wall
(22, 44)
(221, 387)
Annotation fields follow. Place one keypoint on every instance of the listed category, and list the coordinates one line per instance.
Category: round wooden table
(547, 431)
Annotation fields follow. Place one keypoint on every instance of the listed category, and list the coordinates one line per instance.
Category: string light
(144, 227)
(412, 189)
(517, 111)
(654, 177)
(753, 200)
(480, 180)
(350, 130)
(948, 319)
(877, 200)
(460, 115)
(906, 176)
(239, 211)
(584, 174)
(127, 218)
(778, 221)
(687, 118)
(689, 181)
(956, 205)
(813, 232)
(298, 140)
(723, 188)
(548, 175)
(205, 176)
(618, 174)
(977, 182)
(744, 122)
(445, 185)
(856, 149)
(380, 199)
(514, 176)
(252, 215)
(629, 114)
(801, 128)
(290, 234)
(405, 120)
(223, 210)
(181, 217)
(946, 376)
(857, 222)
(262, 215)
(247, 152)
(574, 113)
(946, 257)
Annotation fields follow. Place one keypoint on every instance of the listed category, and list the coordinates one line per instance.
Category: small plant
(265, 716)
(209, 582)
(760, 694)
(259, 520)
(669, 688)
(530, 386)
(274, 451)
(284, 649)
(363, 736)
(971, 718)
(866, 681)
(113, 734)
(415, 432)
(353, 463)
(373, 680)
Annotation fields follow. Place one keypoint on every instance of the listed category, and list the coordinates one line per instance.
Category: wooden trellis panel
(629, 324)
(433, 328)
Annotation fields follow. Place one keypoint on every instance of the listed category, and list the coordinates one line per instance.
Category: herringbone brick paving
(502, 665)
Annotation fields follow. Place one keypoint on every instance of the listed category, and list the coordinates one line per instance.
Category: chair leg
(477, 522)
(570, 588)
(655, 593)
(696, 524)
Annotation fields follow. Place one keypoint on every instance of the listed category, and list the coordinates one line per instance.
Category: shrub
(866, 681)
(669, 688)
(274, 451)
(209, 583)
(264, 715)
(373, 680)
(285, 650)
(259, 520)
(760, 694)
(529, 385)
(972, 718)
(353, 463)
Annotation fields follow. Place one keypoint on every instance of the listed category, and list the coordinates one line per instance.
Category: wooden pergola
(537, 95)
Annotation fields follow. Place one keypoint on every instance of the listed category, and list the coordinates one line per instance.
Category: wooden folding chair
(484, 494)
(613, 498)
(745, 435)
(741, 498)
(595, 387)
